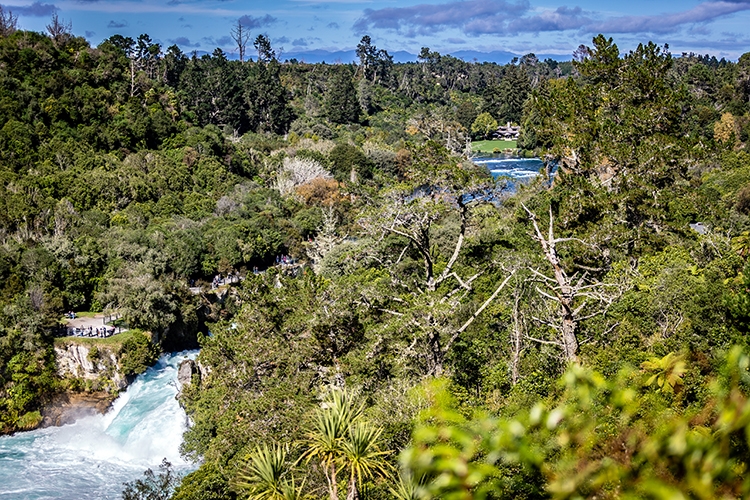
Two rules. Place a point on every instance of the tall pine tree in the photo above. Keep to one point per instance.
(341, 103)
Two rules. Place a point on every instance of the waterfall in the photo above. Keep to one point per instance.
(91, 458)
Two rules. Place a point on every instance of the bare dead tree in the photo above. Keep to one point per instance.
(241, 36)
(483, 306)
(8, 22)
(432, 302)
(59, 30)
(432, 316)
(576, 297)
(516, 335)
(132, 77)
(298, 171)
(326, 240)
(412, 216)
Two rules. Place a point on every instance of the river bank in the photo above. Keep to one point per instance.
(91, 374)
(66, 408)
(92, 457)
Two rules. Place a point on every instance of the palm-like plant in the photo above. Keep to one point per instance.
(668, 371)
(267, 476)
(326, 438)
(363, 456)
(741, 244)
(406, 488)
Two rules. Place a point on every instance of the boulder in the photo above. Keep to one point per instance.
(186, 371)
(66, 408)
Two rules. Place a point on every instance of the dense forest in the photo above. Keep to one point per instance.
(442, 334)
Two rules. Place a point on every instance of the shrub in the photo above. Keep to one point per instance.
(137, 354)
(30, 420)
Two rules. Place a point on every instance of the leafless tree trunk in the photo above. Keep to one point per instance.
(516, 336)
(8, 22)
(353, 493)
(415, 226)
(563, 291)
(333, 489)
(240, 36)
(59, 30)
(438, 328)
(132, 77)
(573, 294)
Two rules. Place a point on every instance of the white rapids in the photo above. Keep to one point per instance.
(520, 169)
(91, 458)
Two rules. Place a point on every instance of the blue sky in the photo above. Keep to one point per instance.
(721, 28)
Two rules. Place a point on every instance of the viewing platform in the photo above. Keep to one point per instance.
(97, 325)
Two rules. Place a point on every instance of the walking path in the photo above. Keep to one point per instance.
(220, 281)
(87, 326)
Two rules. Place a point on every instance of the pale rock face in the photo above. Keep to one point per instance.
(203, 370)
(73, 360)
(186, 371)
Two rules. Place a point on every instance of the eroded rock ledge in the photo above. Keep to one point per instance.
(96, 366)
(68, 407)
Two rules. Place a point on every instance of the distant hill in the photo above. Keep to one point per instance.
(348, 56)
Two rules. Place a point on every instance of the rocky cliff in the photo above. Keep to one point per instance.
(90, 367)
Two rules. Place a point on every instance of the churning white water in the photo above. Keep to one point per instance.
(91, 458)
(520, 169)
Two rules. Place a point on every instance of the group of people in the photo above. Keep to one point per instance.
(219, 280)
(234, 277)
(284, 259)
(92, 332)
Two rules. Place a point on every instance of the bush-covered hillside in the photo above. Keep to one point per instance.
(440, 333)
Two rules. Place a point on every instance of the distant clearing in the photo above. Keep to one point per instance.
(490, 146)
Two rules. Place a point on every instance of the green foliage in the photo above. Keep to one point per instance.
(264, 475)
(623, 147)
(29, 420)
(346, 158)
(363, 456)
(339, 440)
(484, 126)
(206, 483)
(270, 317)
(93, 354)
(506, 98)
(668, 371)
(331, 424)
(137, 353)
(27, 370)
(267, 99)
(603, 438)
(153, 486)
(341, 103)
